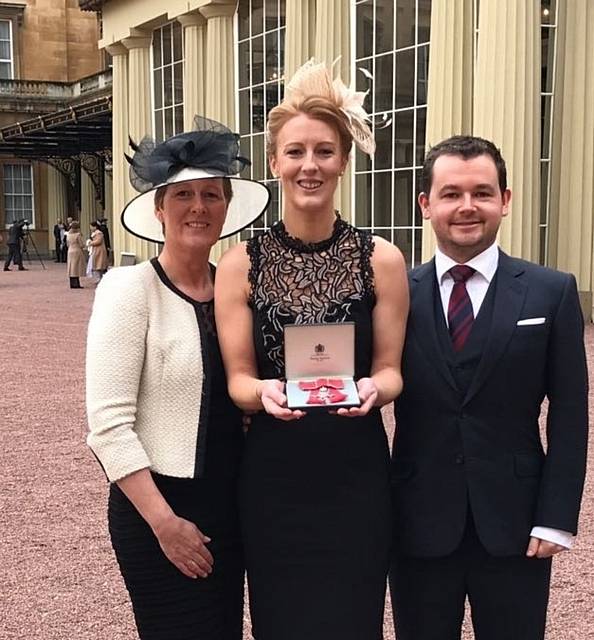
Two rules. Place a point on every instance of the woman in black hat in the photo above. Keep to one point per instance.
(161, 422)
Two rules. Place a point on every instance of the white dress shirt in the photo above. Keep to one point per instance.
(485, 266)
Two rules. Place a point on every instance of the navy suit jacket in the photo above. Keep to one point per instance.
(484, 450)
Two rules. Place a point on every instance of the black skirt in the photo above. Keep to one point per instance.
(167, 605)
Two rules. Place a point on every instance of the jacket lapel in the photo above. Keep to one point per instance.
(424, 327)
(510, 292)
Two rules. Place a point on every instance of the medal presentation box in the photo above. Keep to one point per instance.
(320, 365)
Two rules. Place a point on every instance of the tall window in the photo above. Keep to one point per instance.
(548, 18)
(6, 63)
(168, 80)
(392, 62)
(18, 193)
(261, 29)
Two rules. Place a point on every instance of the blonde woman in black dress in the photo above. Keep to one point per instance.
(314, 487)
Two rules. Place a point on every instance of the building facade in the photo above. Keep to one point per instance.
(50, 71)
(518, 73)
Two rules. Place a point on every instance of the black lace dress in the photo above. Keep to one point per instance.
(314, 498)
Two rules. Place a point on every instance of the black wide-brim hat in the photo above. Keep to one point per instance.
(212, 151)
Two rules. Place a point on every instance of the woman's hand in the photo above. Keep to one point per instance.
(184, 545)
(368, 393)
(273, 398)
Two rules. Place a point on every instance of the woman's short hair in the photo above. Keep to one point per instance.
(75, 224)
(160, 193)
(316, 107)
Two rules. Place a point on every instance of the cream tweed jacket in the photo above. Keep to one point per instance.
(145, 377)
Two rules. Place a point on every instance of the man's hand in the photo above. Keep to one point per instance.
(538, 548)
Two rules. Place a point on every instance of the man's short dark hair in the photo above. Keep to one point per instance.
(466, 147)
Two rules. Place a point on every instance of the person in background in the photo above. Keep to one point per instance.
(58, 239)
(97, 251)
(161, 421)
(15, 236)
(76, 262)
(479, 507)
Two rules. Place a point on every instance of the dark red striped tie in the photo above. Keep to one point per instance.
(460, 314)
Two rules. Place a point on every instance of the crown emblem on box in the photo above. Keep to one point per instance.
(319, 348)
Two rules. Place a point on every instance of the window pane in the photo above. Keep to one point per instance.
(258, 109)
(421, 132)
(403, 138)
(168, 86)
(157, 49)
(179, 119)
(158, 89)
(244, 63)
(271, 8)
(5, 72)
(244, 112)
(4, 30)
(178, 71)
(384, 83)
(257, 16)
(363, 200)
(403, 240)
(166, 44)
(382, 193)
(424, 24)
(422, 74)
(547, 58)
(5, 49)
(168, 123)
(271, 96)
(244, 19)
(364, 29)
(258, 60)
(384, 25)
(383, 151)
(159, 126)
(258, 157)
(405, 23)
(405, 78)
(272, 58)
(403, 187)
(178, 52)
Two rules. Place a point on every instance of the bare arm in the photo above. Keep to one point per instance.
(389, 327)
(234, 328)
(181, 541)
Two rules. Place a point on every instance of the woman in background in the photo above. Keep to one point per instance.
(98, 251)
(75, 258)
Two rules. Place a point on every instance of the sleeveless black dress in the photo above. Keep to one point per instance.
(314, 493)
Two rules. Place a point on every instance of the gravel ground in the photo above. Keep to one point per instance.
(57, 572)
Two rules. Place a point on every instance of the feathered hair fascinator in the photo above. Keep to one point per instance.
(211, 151)
(211, 146)
(314, 79)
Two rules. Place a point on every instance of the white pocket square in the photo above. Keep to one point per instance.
(527, 321)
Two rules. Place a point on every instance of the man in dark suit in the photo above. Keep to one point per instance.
(480, 508)
(15, 235)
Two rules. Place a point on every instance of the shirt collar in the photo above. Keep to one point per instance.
(485, 263)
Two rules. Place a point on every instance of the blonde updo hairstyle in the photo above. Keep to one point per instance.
(316, 107)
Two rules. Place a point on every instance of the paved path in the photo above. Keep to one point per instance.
(58, 578)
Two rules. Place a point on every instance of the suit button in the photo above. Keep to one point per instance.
(459, 459)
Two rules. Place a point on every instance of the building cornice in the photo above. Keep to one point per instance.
(91, 5)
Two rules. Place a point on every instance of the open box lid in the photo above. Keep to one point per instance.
(314, 350)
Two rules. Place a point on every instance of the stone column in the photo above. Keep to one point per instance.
(219, 99)
(572, 186)
(139, 114)
(449, 99)
(507, 110)
(300, 34)
(87, 203)
(57, 202)
(119, 237)
(194, 25)
(332, 42)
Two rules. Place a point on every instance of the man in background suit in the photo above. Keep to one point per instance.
(480, 508)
